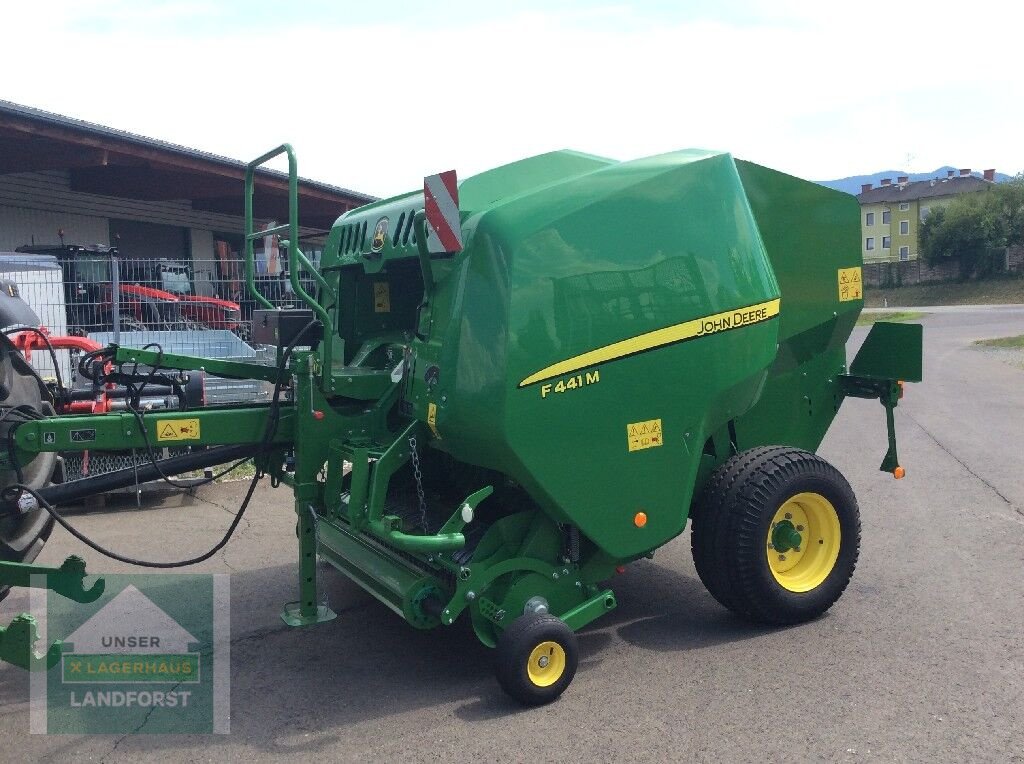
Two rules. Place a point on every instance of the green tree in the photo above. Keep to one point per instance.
(1003, 215)
(975, 229)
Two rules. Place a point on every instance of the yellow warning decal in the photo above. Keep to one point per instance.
(432, 419)
(670, 335)
(850, 286)
(178, 429)
(381, 297)
(641, 435)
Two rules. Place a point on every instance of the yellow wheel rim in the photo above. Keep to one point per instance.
(803, 542)
(547, 664)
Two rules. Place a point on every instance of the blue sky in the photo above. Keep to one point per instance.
(375, 95)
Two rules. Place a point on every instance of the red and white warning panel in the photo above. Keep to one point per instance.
(441, 206)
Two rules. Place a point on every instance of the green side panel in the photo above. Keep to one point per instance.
(890, 351)
(810, 233)
(526, 176)
(567, 257)
(577, 265)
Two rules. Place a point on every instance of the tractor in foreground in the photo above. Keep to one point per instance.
(502, 391)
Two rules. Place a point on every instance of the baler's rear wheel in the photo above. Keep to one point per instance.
(776, 534)
(536, 658)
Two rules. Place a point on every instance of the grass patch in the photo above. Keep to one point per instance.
(1015, 343)
(1004, 291)
(244, 471)
(867, 319)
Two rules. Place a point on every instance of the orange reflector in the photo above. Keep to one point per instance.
(620, 569)
(900, 383)
(640, 519)
(899, 472)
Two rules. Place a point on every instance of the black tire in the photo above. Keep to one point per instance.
(518, 643)
(22, 536)
(731, 523)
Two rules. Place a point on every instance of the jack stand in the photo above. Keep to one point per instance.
(307, 611)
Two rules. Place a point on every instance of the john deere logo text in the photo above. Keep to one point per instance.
(380, 235)
(723, 321)
(659, 338)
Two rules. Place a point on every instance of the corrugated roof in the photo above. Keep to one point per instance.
(925, 189)
(59, 120)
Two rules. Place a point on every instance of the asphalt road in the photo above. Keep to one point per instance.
(921, 660)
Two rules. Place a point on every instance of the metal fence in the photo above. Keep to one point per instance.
(193, 307)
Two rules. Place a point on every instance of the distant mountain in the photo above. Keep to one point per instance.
(852, 184)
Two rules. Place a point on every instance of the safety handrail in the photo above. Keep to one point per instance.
(296, 259)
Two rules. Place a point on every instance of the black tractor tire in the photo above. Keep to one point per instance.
(536, 658)
(732, 547)
(22, 534)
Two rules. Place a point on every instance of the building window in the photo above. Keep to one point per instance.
(869, 218)
(904, 206)
(904, 227)
(904, 253)
(885, 217)
(925, 211)
(869, 243)
(886, 242)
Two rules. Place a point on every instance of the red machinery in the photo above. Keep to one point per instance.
(187, 392)
(211, 312)
(142, 304)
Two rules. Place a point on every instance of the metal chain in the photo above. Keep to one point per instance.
(419, 482)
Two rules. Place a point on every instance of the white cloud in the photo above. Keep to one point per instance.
(818, 90)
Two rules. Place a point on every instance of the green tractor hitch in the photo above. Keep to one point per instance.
(68, 580)
(498, 393)
(890, 357)
(17, 640)
(17, 645)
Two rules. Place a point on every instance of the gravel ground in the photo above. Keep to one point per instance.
(920, 660)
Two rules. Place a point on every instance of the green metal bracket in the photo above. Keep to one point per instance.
(465, 511)
(409, 542)
(590, 610)
(17, 645)
(67, 580)
(891, 355)
(888, 392)
(891, 461)
(210, 426)
(481, 579)
(362, 384)
(17, 641)
(219, 368)
(424, 255)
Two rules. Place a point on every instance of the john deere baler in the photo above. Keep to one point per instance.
(503, 390)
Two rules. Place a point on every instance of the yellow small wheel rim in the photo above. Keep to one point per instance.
(546, 664)
(803, 542)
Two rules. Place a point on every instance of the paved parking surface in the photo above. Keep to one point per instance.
(921, 660)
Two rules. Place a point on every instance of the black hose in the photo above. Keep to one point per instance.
(13, 492)
(17, 489)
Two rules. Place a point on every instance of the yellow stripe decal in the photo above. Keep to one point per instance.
(688, 330)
